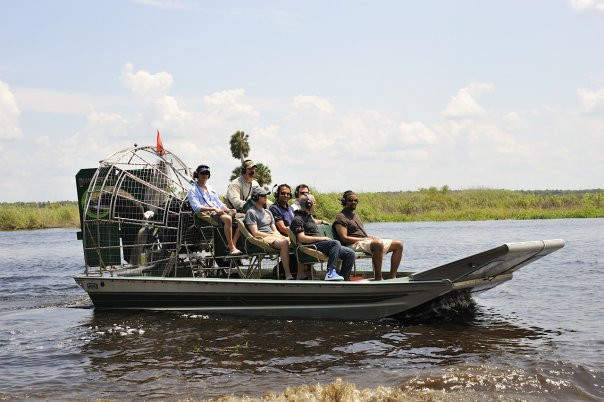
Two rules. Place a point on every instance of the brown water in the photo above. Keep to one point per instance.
(536, 337)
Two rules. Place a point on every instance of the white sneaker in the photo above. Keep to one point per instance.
(332, 275)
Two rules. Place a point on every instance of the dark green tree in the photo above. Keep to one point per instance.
(263, 174)
(240, 147)
(235, 173)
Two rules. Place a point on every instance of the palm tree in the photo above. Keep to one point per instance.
(235, 173)
(263, 174)
(240, 147)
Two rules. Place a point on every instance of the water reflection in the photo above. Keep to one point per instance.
(165, 347)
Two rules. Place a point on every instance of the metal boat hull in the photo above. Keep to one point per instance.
(355, 300)
(272, 298)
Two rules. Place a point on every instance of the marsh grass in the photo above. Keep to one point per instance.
(429, 204)
(38, 215)
(443, 204)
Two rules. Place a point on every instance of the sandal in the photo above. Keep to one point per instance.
(236, 252)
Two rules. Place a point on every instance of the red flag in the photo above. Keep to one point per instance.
(159, 148)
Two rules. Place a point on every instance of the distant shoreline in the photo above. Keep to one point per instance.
(429, 204)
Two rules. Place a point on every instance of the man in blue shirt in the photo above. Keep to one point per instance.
(203, 198)
(282, 212)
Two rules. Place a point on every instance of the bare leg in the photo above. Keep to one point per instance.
(228, 231)
(236, 236)
(283, 246)
(377, 255)
(397, 255)
(301, 271)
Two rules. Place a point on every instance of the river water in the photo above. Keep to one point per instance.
(539, 336)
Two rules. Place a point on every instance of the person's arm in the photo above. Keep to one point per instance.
(277, 231)
(222, 208)
(280, 225)
(252, 224)
(219, 211)
(193, 201)
(343, 234)
(233, 195)
(253, 228)
(305, 239)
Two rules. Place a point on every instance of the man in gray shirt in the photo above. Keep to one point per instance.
(261, 224)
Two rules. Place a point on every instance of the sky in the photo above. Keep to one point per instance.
(361, 95)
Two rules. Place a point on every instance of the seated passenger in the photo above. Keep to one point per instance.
(203, 198)
(261, 224)
(281, 210)
(307, 232)
(240, 189)
(301, 191)
(351, 232)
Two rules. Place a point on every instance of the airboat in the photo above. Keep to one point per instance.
(145, 249)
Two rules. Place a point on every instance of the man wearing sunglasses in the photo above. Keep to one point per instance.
(307, 232)
(240, 189)
(203, 198)
(352, 233)
(281, 210)
(301, 191)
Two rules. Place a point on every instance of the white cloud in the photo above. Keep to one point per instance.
(592, 100)
(587, 5)
(144, 83)
(158, 108)
(50, 101)
(228, 104)
(416, 132)
(464, 104)
(313, 102)
(9, 114)
(308, 140)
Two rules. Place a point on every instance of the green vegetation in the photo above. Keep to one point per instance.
(429, 204)
(39, 215)
(443, 204)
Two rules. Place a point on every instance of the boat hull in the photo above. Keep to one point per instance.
(354, 300)
(269, 298)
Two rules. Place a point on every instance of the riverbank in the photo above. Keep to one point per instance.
(39, 215)
(444, 204)
(429, 204)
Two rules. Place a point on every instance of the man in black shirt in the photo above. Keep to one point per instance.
(307, 232)
(351, 232)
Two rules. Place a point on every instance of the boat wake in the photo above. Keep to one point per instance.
(450, 307)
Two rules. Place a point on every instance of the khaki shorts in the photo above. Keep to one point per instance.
(217, 219)
(365, 245)
(270, 239)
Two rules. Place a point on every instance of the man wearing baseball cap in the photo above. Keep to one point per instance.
(261, 224)
(203, 199)
(240, 189)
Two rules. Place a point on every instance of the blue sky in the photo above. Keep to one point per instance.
(370, 96)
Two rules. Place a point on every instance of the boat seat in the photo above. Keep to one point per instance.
(213, 235)
(306, 253)
(256, 249)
